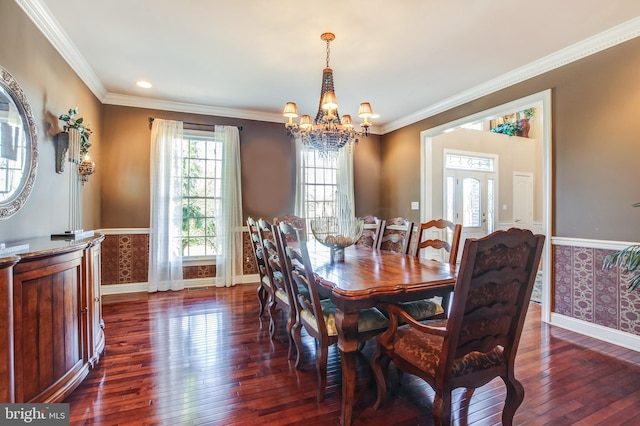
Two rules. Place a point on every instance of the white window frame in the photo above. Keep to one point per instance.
(320, 172)
(212, 181)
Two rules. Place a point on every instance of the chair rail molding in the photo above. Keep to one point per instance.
(590, 243)
(124, 231)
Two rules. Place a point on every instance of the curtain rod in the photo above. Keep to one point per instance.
(198, 124)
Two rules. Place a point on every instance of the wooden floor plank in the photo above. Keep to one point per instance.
(205, 358)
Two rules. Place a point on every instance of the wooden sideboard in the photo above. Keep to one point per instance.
(51, 329)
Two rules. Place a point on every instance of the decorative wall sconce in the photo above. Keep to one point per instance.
(73, 144)
(86, 168)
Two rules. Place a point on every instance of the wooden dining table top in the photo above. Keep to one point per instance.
(368, 273)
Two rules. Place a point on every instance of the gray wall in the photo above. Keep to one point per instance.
(596, 145)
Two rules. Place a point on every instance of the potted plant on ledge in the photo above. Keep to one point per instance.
(513, 126)
(507, 128)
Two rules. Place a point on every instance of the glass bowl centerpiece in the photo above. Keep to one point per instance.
(337, 234)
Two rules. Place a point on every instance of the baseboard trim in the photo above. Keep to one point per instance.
(606, 334)
(109, 289)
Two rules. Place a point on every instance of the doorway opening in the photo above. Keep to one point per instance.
(517, 194)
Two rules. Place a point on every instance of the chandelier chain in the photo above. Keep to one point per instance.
(328, 52)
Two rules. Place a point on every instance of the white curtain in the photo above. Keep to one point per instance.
(165, 242)
(229, 224)
(346, 198)
(299, 185)
(345, 193)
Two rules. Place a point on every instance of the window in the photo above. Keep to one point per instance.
(471, 202)
(320, 184)
(201, 193)
(469, 162)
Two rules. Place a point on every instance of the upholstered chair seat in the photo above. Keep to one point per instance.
(422, 309)
(423, 351)
(368, 319)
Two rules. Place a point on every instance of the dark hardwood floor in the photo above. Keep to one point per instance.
(203, 357)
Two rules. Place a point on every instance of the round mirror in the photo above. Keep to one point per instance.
(18, 146)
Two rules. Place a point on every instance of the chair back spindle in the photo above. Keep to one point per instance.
(441, 228)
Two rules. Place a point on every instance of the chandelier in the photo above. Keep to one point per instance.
(328, 133)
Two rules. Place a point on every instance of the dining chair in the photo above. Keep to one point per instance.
(433, 234)
(317, 315)
(371, 231)
(293, 220)
(396, 235)
(279, 294)
(479, 341)
(256, 245)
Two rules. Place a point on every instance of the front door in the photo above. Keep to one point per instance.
(470, 197)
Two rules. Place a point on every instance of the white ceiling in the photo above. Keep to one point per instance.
(246, 58)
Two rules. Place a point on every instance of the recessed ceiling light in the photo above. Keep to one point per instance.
(144, 84)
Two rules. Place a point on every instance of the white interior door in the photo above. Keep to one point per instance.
(523, 200)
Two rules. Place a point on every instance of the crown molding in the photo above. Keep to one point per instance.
(604, 40)
(151, 103)
(49, 26)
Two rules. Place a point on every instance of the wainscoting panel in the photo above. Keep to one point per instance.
(584, 292)
(125, 258)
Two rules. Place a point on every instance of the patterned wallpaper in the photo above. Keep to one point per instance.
(125, 260)
(584, 291)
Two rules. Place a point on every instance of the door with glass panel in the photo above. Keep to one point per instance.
(470, 193)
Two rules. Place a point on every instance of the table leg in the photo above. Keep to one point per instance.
(347, 325)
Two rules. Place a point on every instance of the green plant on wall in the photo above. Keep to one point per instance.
(627, 260)
(507, 128)
(529, 113)
(511, 126)
(73, 122)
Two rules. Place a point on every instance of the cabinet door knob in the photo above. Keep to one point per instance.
(84, 310)
(96, 299)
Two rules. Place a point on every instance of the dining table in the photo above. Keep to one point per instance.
(365, 278)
